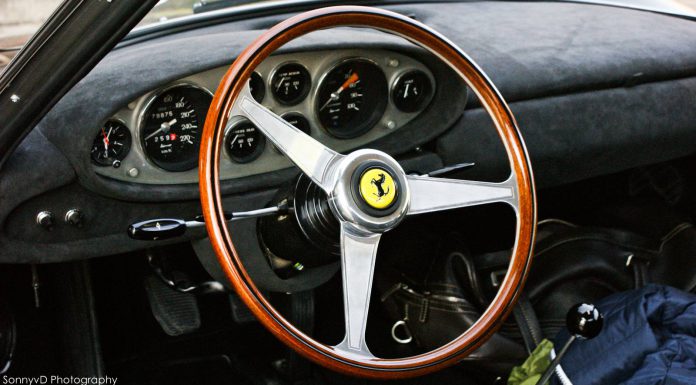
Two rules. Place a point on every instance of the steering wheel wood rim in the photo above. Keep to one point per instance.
(230, 89)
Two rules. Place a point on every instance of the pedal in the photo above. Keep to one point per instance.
(240, 312)
(176, 312)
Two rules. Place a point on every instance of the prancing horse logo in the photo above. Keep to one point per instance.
(378, 184)
(377, 188)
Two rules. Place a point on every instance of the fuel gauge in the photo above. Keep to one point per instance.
(411, 91)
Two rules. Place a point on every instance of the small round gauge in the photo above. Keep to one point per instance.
(171, 126)
(112, 144)
(352, 98)
(258, 87)
(291, 83)
(244, 142)
(297, 120)
(411, 91)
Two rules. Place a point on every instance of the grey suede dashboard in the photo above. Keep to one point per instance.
(595, 90)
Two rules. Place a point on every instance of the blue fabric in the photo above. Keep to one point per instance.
(649, 338)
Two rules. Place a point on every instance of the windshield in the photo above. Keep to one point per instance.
(19, 19)
(172, 9)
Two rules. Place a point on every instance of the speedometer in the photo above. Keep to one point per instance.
(171, 126)
(352, 98)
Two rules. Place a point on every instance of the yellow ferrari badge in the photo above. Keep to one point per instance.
(377, 188)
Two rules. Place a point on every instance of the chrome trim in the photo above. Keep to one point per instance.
(341, 198)
(358, 255)
(436, 194)
(312, 157)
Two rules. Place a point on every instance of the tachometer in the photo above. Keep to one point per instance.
(352, 98)
(112, 144)
(171, 126)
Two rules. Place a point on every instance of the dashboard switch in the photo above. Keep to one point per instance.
(74, 217)
(45, 219)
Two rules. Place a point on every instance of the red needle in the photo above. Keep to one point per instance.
(106, 139)
(352, 79)
(335, 95)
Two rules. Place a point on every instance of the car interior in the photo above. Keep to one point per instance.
(224, 196)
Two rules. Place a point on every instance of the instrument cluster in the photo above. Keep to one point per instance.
(343, 98)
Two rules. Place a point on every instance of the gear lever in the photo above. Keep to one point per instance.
(584, 322)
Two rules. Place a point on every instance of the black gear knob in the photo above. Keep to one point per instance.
(584, 321)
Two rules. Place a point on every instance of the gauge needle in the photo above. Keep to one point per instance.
(106, 139)
(164, 127)
(354, 78)
(280, 83)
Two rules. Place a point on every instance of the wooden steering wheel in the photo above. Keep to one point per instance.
(365, 214)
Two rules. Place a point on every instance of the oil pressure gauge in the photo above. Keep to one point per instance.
(244, 142)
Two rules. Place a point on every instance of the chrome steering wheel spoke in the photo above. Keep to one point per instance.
(436, 194)
(313, 158)
(358, 254)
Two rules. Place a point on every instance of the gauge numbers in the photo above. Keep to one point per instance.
(171, 127)
(111, 145)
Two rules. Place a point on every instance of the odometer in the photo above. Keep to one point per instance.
(171, 126)
(352, 98)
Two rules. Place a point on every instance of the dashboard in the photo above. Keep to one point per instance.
(587, 103)
(343, 98)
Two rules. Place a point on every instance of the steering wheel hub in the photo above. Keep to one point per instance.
(371, 191)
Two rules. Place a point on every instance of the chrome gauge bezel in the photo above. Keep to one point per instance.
(368, 125)
(143, 114)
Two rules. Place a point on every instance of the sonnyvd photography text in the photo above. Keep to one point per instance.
(59, 380)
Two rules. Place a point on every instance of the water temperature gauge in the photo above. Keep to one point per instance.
(291, 83)
(244, 142)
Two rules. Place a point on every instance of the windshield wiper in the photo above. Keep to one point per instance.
(10, 49)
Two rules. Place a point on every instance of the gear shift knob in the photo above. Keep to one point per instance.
(584, 321)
